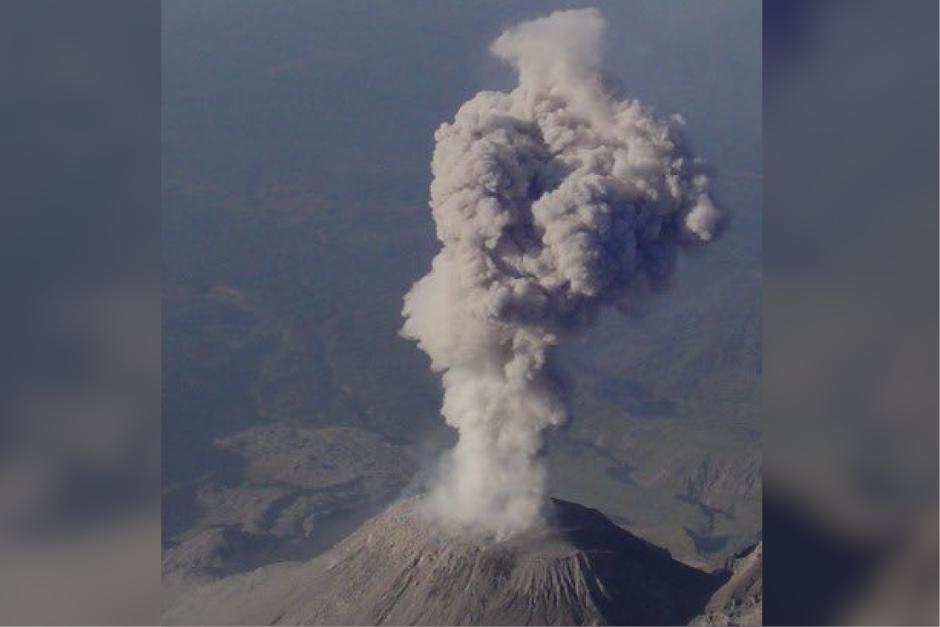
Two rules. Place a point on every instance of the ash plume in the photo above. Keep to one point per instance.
(551, 201)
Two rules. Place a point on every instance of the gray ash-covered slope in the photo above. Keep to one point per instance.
(401, 569)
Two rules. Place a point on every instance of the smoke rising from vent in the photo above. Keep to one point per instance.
(551, 201)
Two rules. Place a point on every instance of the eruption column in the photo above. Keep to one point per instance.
(551, 201)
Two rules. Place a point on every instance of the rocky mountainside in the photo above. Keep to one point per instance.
(400, 568)
(740, 601)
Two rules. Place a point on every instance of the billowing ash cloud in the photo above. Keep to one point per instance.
(551, 202)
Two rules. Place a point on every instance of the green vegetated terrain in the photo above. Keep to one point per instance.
(295, 218)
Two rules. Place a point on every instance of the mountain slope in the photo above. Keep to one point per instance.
(740, 600)
(399, 568)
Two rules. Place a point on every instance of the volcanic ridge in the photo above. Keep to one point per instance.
(403, 568)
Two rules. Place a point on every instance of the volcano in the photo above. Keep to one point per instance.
(400, 568)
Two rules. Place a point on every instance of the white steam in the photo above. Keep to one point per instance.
(550, 201)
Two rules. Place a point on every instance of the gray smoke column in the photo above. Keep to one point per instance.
(551, 201)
